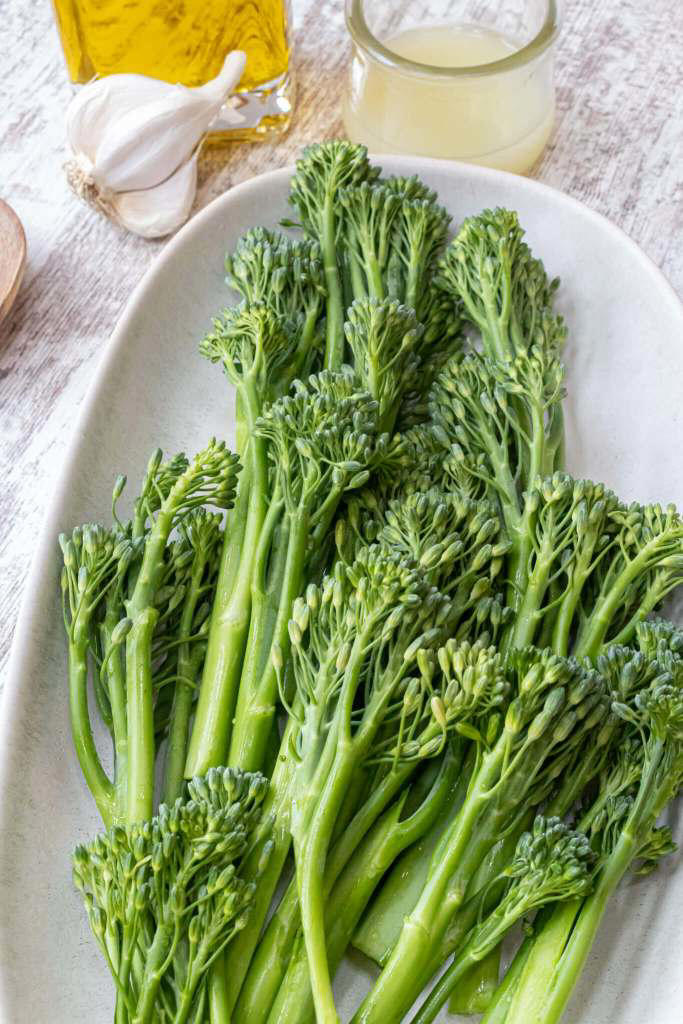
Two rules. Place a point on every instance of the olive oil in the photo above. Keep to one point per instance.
(182, 41)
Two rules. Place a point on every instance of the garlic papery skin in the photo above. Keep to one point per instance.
(155, 212)
(93, 109)
(133, 134)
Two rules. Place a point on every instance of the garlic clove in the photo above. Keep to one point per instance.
(158, 211)
(135, 140)
(220, 87)
(93, 107)
(145, 146)
(141, 146)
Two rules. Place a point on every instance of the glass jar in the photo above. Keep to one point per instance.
(467, 80)
(187, 41)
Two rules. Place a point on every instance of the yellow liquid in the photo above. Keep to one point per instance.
(451, 46)
(176, 40)
(500, 119)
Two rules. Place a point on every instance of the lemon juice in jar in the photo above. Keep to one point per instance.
(478, 91)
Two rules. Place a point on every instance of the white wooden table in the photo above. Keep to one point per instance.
(618, 146)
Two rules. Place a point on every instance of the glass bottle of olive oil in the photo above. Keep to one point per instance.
(187, 41)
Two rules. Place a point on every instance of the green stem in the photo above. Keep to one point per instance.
(526, 984)
(399, 893)
(116, 685)
(500, 1004)
(127, 946)
(98, 782)
(314, 821)
(266, 585)
(594, 629)
(179, 728)
(350, 895)
(176, 751)
(583, 935)
(455, 861)
(334, 342)
(481, 941)
(275, 947)
(210, 736)
(528, 613)
(310, 862)
(374, 275)
(233, 536)
(473, 992)
(140, 714)
(219, 1006)
(495, 327)
(252, 727)
(276, 808)
(365, 817)
(156, 957)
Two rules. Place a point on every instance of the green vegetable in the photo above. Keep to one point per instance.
(165, 897)
(556, 707)
(642, 776)
(551, 863)
(425, 651)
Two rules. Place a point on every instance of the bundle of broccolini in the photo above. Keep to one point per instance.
(409, 692)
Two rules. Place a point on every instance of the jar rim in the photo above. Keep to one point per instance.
(360, 33)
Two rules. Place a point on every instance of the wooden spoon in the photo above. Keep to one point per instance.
(12, 257)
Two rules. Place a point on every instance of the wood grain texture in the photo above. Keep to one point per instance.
(617, 146)
(12, 257)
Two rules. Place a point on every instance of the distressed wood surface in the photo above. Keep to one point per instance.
(617, 146)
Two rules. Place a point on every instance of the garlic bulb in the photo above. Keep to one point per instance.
(135, 142)
(154, 212)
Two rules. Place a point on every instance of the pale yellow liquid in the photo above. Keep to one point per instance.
(451, 46)
(499, 119)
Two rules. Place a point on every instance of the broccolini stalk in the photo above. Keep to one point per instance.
(558, 705)
(614, 760)
(647, 565)
(552, 863)
(254, 347)
(624, 827)
(504, 290)
(379, 930)
(458, 684)
(515, 433)
(201, 532)
(165, 897)
(95, 561)
(402, 824)
(121, 581)
(456, 543)
(392, 612)
(270, 269)
(383, 338)
(321, 441)
(321, 172)
(209, 479)
(625, 671)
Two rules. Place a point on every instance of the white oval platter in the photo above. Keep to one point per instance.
(624, 425)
